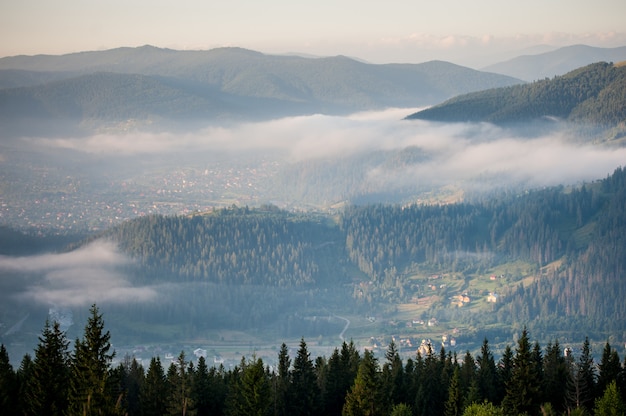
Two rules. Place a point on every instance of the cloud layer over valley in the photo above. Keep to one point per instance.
(451, 153)
(78, 278)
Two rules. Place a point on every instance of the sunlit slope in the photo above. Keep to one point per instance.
(595, 94)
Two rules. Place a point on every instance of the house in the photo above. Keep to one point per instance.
(493, 297)
(199, 352)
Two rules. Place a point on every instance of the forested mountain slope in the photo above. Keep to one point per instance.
(572, 242)
(594, 94)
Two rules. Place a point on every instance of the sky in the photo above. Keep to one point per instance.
(379, 32)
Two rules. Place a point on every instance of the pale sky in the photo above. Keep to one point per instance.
(376, 31)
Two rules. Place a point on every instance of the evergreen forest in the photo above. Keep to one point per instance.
(592, 94)
(527, 380)
(555, 258)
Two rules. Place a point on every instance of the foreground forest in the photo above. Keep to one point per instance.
(527, 379)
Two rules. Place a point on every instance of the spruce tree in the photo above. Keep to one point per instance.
(201, 388)
(283, 382)
(363, 398)
(179, 387)
(89, 389)
(609, 369)
(154, 391)
(8, 384)
(24, 376)
(555, 371)
(305, 392)
(454, 404)
(392, 378)
(522, 392)
(47, 392)
(505, 371)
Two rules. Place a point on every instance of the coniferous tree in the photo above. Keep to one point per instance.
(47, 392)
(283, 382)
(401, 409)
(555, 372)
(522, 392)
(430, 397)
(201, 388)
(89, 391)
(179, 387)
(468, 381)
(154, 392)
(251, 390)
(129, 377)
(610, 403)
(454, 404)
(8, 384)
(586, 376)
(305, 392)
(24, 376)
(363, 398)
(486, 374)
(505, 371)
(392, 378)
(608, 369)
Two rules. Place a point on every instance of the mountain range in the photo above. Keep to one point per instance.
(536, 66)
(149, 86)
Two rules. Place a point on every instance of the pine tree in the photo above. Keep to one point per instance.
(47, 392)
(89, 392)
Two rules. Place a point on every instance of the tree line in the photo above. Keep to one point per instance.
(527, 379)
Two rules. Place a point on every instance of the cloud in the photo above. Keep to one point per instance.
(453, 153)
(78, 278)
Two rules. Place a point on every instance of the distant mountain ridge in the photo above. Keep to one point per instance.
(594, 94)
(556, 62)
(160, 84)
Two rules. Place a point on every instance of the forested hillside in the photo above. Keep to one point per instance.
(592, 94)
(526, 380)
(569, 243)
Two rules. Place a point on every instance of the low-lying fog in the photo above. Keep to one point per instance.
(452, 152)
(476, 155)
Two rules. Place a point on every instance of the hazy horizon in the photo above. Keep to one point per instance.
(473, 34)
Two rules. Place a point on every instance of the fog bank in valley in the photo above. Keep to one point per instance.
(451, 153)
(91, 274)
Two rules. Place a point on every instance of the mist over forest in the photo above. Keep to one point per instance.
(236, 208)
